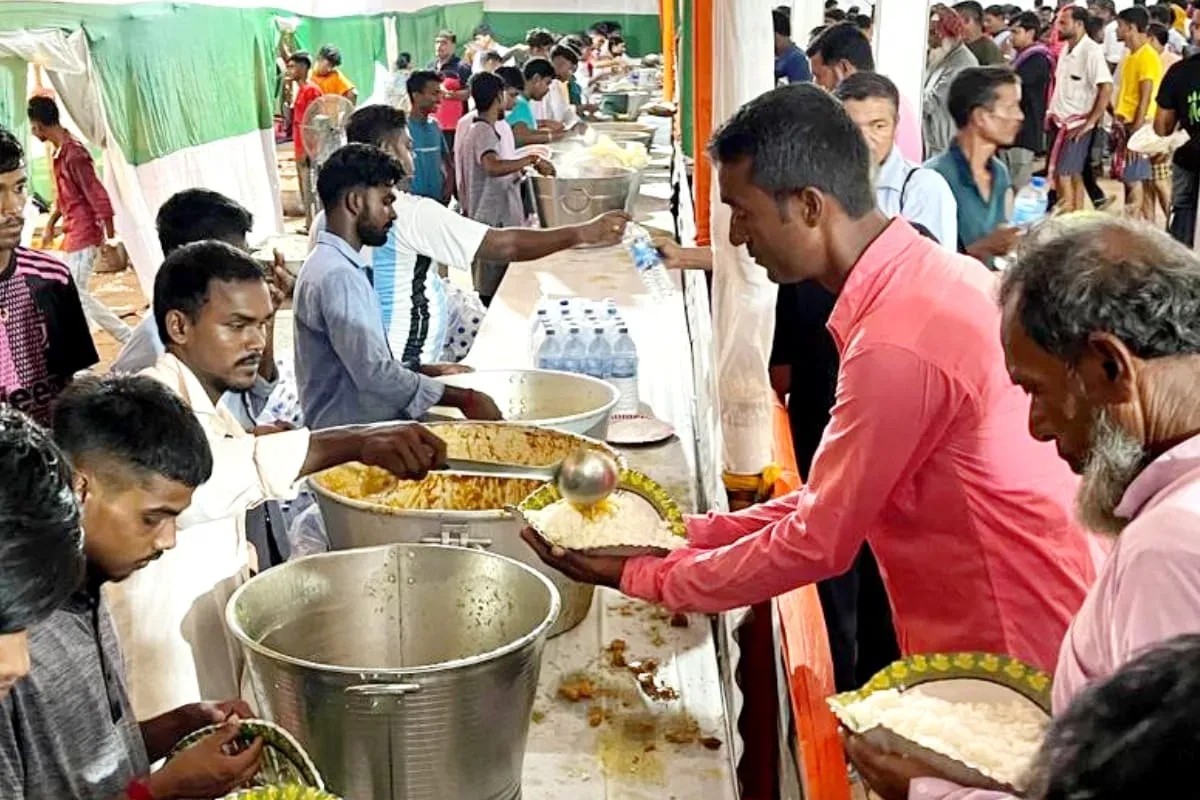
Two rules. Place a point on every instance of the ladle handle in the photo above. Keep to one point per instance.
(381, 689)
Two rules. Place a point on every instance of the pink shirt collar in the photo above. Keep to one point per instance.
(1152, 483)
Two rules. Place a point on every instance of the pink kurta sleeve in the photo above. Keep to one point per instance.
(934, 789)
(712, 530)
(892, 409)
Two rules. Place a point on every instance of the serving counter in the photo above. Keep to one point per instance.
(617, 743)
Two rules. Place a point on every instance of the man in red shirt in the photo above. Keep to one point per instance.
(44, 337)
(82, 203)
(299, 66)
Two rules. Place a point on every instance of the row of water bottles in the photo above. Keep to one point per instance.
(588, 338)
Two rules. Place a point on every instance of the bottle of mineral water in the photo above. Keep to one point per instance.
(1029, 207)
(599, 355)
(574, 351)
(648, 261)
(623, 372)
(549, 355)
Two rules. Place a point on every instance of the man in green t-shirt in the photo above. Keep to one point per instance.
(536, 84)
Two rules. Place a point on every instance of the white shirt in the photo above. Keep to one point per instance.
(423, 228)
(924, 198)
(1080, 73)
(556, 105)
(170, 615)
(1114, 48)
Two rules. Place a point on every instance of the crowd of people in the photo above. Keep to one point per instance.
(998, 463)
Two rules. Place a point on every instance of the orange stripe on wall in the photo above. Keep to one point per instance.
(702, 44)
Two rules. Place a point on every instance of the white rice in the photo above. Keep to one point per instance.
(628, 520)
(998, 739)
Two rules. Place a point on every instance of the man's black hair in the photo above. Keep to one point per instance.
(512, 77)
(782, 23)
(867, 85)
(843, 41)
(1081, 15)
(41, 543)
(12, 155)
(486, 89)
(416, 84)
(1132, 734)
(194, 215)
(1030, 21)
(43, 110)
(490, 55)
(185, 277)
(539, 37)
(977, 87)
(356, 166)
(1137, 16)
(970, 11)
(796, 137)
(835, 15)
(404, 61)
(615, 38)
(301, 57)
(331, 54)
(1159, 31)
(448, 35)
(482, 29)
(132, 422)
(996, 11)
(539, 68)
(567, 52)
(1162, 14)
(1093, 26)
(862, 22)
(375, 124)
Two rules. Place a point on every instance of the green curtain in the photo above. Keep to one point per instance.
(361, 40)
(687, 132)
(13, 72)
(415, 31)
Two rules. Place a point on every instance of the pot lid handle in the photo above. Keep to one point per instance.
(381, 689)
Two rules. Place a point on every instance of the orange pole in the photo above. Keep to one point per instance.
(702, 45)
(666, 14)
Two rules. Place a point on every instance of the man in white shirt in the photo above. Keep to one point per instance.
(902, 188)
(212, 307)
(1082, 88)
(1114, 48)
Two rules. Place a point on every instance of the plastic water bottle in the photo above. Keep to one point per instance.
(648, 261)
(623, 373)
(574, 352)
(1029, 207)
(599, 355)
(549, 355)
(540, 320)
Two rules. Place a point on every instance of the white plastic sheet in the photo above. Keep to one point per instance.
(743, 298)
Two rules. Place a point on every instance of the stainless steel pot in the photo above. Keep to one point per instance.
(573, 201)
(407, 672)
(621, 132)
(354, 523)
(559, 400)
(624, 104)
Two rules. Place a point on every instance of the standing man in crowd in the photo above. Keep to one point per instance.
(1141, 72)
(842, 50)
(455, 76)
(1082, 88)
(299, 66)
(44, 340)
(82, 204)
(329, 76)
(1177, 109)
(970, 517)
(791, 65)
(434, 176)
(986, 51)
(537, 77)
(538, 44)
(986, 105)
(948, 56)
(995, 25)
(1114, 47)
(1034, 65)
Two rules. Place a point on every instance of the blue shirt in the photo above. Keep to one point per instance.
(977, 217)
(522, 112)
(345, 369)
(792, 66)
(429, 153)
(919, 195)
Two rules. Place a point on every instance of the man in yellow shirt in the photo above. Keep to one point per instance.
(329, 77)
(1141, 72)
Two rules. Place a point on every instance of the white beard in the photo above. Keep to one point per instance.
(1116, 458)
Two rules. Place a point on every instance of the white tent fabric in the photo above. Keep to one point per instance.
(743, 298)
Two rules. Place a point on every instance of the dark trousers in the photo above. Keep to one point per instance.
(1095, 159)
(1182, 226)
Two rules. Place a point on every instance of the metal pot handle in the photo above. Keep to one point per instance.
(381, 689)
(571, 202)
(456, 536)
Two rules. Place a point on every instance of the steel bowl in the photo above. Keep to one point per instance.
(560, 400)
(621, 132)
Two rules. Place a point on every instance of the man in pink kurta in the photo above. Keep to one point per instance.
(927, 455)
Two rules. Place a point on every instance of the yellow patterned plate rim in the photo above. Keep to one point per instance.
(631, 481)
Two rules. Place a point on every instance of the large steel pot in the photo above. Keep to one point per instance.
(407, 672)
(352, 523)
(575, 200)
(560, 400)
(621, 132)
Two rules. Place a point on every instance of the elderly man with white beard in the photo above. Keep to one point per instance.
(1101, 327)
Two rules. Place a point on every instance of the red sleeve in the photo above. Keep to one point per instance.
(82, 173)
(304, 98)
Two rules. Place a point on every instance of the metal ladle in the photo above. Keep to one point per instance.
(584, 478)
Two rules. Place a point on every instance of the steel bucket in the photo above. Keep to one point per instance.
(407, 672)
(572, 201)
(560, 400)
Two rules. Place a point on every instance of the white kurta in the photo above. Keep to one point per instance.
(170, 615)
